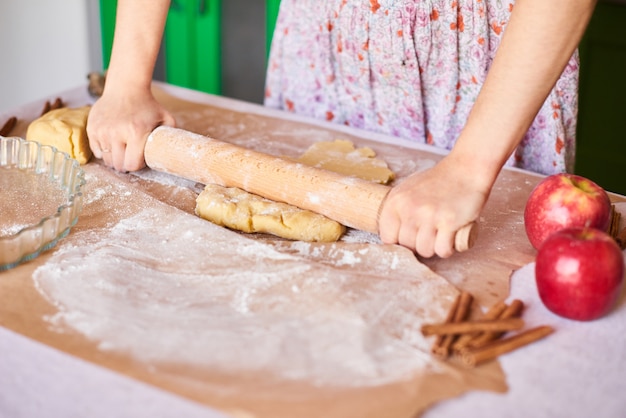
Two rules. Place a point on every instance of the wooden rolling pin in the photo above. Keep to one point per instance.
(350, 201)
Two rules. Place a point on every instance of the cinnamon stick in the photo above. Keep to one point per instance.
(494, 325)
(46, 108)
(514, 310)
(621, 238)
(615, 221)
(57, 104)
(619, 235)
(493, 313)
(438, 347)
(461, 311)
(488, 352)
(8, 126)
(465, 303)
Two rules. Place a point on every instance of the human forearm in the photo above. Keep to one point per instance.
(425, 210)
(138, 33)
(120, 121)
(538, 42)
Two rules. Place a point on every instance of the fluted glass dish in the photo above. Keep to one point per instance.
(40, 198)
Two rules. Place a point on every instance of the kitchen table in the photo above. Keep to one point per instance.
(47, 369)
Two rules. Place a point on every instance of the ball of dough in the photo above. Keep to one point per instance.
(65, 129)
(237, 209)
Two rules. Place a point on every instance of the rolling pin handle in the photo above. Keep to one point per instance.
(465, 237)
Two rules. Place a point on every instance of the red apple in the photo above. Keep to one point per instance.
(563, 201)
(579, 273)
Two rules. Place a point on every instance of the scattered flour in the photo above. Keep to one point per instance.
(355, 235)
(168, 179)
(168, 288)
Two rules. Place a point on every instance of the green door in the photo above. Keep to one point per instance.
(192, 41)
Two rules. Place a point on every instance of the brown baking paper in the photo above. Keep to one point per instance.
(250, 324)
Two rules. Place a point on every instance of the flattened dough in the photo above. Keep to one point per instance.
(341, 157)
(243, 211)
(237, 209)
(64, 129)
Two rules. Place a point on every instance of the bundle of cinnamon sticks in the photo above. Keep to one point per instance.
(48, 106)
(478, 341)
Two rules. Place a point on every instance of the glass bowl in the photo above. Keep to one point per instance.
(40, 198)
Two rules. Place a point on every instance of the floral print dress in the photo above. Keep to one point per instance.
(409, 68)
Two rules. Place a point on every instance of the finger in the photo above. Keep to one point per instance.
(407, 235)
(444, 243)
(97, 149)
(134, 156)
(425, 241)
(388, 227)
(168, 120)
(118, 156)
(97, 152)
(106, 155)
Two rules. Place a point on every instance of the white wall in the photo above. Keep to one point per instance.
(46, 46)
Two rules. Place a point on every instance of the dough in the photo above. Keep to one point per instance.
(64, 129)
(341, 157)
(247, 212)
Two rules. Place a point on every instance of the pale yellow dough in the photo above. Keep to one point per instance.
(237, 209)
(341, 157)
(64, 129)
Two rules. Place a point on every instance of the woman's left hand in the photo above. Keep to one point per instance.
(424, 212)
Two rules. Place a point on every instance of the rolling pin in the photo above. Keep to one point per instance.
(351, 201)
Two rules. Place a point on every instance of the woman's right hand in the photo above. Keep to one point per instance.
(119, 124)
